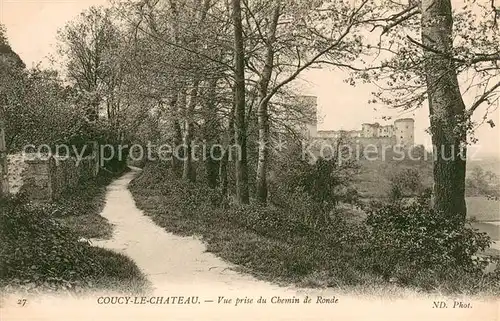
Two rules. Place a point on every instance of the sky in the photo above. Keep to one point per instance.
(32, 29)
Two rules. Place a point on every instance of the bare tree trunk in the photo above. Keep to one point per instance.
(262, 162)
(93, 109)
(263, 112)
(446, 109)
(176, 132)
(229, 140)
(211, 125)
(242, 194)
(188, 171)
(223, 175)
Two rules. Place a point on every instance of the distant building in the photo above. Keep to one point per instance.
(404, 130)
(400, 133)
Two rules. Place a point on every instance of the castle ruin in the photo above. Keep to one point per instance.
(400, 133)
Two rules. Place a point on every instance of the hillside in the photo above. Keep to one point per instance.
(491, 164)
(374, 178)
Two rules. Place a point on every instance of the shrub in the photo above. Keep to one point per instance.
(269, 221)
(37, 249)
(276, 243)
(405, 182)
(152, 176)
(407, 239)
(313, 190)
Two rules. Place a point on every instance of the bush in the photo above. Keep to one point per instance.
(153, 175)
(405, 182)
(312, 190)
(37, 249)
(407, 239)
(79, 208)
(274, 242)
(482, 183)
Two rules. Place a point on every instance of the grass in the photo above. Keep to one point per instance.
(482, 209)
(41, 252)
(373, 180)
(88, 226)
(258, 241)
(121, 274)
(79, 209)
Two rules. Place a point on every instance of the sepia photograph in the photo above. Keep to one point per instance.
(249, 160)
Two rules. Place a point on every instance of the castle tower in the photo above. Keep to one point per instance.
(404, 130)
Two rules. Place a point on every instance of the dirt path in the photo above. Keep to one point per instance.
(166, 259)
(180, 266)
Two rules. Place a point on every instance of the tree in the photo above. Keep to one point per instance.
(446, 109)
(457, 52)
(181, 64)
(180, 54)
(242, 193)
(405, 182)
(89, 45)
(10, 63)
(482, 183)
(36, 107)
(316, 187)
(4, 187)
(262, 111)
(7, 55)
(293, 41)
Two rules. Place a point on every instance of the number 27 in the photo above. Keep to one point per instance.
(22, 302)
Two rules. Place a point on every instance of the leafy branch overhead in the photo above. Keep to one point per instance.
(224, 73)
(400, 56)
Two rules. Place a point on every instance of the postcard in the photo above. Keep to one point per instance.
(249, 160)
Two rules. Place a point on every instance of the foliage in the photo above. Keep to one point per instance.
(79, 209)
(269, 239)
(40, 252)
(405, 182)
(400, 75)
(7, 55)
(482, 183)
(449, 64)
(413, 239)
(312, 189)
(34, 102)
(272, 243)
(159, 71)
(88, 44)
(38, 109)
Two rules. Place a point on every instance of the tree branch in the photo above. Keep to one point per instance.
(483, 98)
(318, 55)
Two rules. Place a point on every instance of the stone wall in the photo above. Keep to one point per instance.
(46, 179)
(376, 141)
(36, 180)
(17, 168)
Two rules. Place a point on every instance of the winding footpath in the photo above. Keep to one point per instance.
(166, 259)
(180, 266)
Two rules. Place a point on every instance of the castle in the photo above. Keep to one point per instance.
(400, 133)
